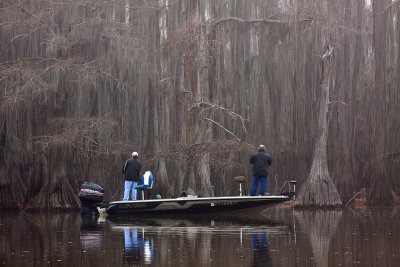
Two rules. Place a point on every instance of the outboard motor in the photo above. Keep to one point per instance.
(91, 197)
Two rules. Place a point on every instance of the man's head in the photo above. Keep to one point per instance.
(261, 148)
(135, 154)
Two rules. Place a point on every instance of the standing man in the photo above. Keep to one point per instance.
(261, 160)
(131, 169)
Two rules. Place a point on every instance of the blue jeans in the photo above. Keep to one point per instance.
(131, 237)
(130, 185)
(262, 180)
(132, 248)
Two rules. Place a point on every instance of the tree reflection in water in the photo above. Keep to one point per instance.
(367, 237)
(320, 226)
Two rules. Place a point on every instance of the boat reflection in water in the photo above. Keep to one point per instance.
(262, 256)
(91, 235)
(137, 246)
(360, 236)
(195, 241)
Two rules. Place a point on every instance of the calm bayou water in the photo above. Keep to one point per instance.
(359, 237)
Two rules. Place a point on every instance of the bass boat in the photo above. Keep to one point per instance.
(91, 200)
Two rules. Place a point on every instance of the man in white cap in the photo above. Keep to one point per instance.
(131, 169)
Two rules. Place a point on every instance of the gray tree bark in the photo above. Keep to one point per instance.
(83, 84)
(318, 189)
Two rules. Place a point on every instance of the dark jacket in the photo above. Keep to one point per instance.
(131, 169)
(261, 161)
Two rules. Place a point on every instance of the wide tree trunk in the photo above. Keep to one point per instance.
(341, 173)
(380, 192)
(56, 192)
(318, 189)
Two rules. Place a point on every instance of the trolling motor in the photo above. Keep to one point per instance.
(289, 189)
(91, 196)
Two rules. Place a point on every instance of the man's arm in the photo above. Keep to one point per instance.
(124, 168)
(251, 160)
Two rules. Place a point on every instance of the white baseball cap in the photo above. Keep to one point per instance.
(135, 154)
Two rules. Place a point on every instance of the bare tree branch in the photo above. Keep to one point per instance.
(239, 20)
(390, 6)
(389, 154)
(207, 106)
(336, 102)
(226, 130)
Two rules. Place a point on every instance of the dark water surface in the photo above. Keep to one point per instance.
(351, 237)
